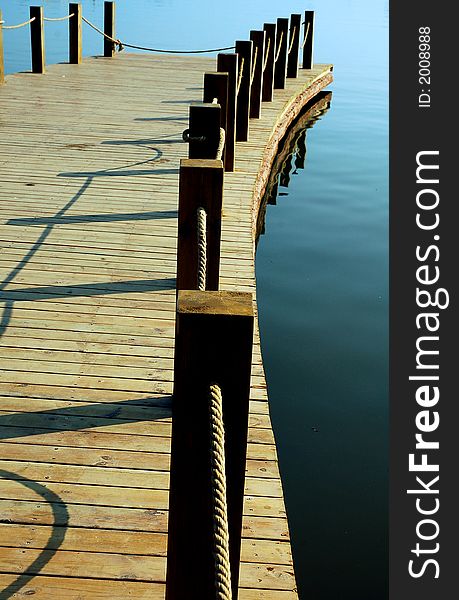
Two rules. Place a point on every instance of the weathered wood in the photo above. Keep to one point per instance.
(2, 59)
(280, 67)
(258, 39)
(308, 40)
(109, 28)
(227, 63)
(75, 34)
(244, 51)
(216, 87)
(204, 130)
(214, 341)
(37, 39)
(294, 45)
(268, 73)
(201, 185)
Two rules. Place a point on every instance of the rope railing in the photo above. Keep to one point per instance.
(122, 45)
(265, 60)
(219, 500)
(239, 81)
(221, 144)
(306, 34)
(254, 65)
(59, 18)
(18, 25)
(292, 40)
(202, 249)
(276, 58)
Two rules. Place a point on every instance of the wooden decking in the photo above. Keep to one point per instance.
(88, 199)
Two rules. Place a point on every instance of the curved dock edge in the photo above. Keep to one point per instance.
(289, 112)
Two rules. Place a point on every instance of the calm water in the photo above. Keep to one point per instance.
(322, 270)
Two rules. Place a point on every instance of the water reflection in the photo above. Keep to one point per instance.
(291, 154)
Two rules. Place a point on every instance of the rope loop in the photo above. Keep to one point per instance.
(122, 45)
(292, 40)
(186, 137)
(279, 47)
(59, 18)
(241, 72)
(265, 61)
(306, 33)
(19, 24)
(108, 37)
(221, 144)
(254, 65)
(219, 502)
(202, 249)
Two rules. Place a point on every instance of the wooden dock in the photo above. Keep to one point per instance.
(89, 168)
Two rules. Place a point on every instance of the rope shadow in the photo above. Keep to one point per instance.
(59, 529)
(82, 418)
(102, 218)
(89, 289)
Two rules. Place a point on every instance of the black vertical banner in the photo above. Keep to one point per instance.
(424, 498)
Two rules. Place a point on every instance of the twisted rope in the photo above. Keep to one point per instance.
(221, 144)
(220, 509)
(108, 37)
(254, 65)
(19, 25)
(59, 18)
(292, 40)
(265, 61)
(306, 33)
(241, 71)
(122, 45)
(202, 249)
(279, 47)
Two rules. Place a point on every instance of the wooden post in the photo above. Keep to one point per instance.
(294, 45)
(244, 50)
(227, 63)
(75, 35)
(2, 60)
(109, 28)
(214, 337)
(258, 39)
(204, 130)
(200, 185)
(37, 39)
(216, 86)
(308, 48)
(268, 75)
(280, 66)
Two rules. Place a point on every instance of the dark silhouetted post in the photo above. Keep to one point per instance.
(227, 63)
(308, 48)
(37, 39)
(280, 66)
(244, 50)
(204, 132)
(213, 345)
(75, 34)
(268, 65)
(201, 185)
(258, 39)
(294, 46)
(109, 28)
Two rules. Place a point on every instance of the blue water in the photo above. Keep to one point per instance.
(322, 270)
